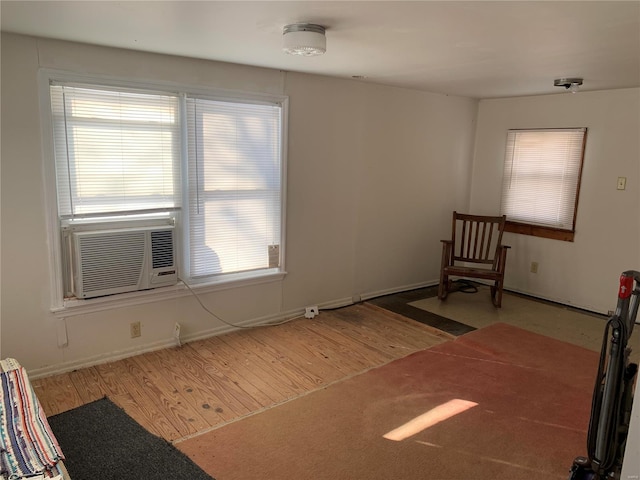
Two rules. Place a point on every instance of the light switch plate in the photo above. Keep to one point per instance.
(622, 183)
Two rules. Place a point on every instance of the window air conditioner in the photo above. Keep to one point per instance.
(123, 260)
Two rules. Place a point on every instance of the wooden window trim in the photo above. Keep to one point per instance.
(539, 231)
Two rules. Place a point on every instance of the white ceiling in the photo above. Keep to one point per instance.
(478, 49)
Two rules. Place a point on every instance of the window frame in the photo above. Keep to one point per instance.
(542, 231)
(63, 307)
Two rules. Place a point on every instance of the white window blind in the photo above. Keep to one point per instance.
(235, 170)
(541, 179)
(116, 151)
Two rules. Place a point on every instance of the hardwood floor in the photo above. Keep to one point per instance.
(179, 392)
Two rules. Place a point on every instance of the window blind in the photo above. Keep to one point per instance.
(116, 151)
(235, 170)
(542, 175)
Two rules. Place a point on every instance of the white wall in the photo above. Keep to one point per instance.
(378, 173)
(373, 174)
(585, 272)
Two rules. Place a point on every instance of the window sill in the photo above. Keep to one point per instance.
(539, 231)
(74, 306)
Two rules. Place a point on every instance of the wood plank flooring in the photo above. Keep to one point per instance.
(179, 392)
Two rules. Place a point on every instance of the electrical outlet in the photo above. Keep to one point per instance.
(622, 183)
(136, 330)
(311, 312)
(534, 267)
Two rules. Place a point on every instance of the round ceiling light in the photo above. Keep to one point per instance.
(306, 39)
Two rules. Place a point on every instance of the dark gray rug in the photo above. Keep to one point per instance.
(100, 441)
(399, 303)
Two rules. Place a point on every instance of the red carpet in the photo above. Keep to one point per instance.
(533, 396)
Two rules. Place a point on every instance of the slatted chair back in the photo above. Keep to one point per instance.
(476, 251)
(476, 238)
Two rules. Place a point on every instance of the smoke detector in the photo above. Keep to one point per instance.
(571, 84)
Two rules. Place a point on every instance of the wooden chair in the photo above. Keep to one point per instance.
(475, 240)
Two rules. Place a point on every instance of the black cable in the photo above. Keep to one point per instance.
(466, 286)
(596, 399)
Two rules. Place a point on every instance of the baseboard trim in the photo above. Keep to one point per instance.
(69, 366)
(555, 301)
(66, 367)
(391, 291)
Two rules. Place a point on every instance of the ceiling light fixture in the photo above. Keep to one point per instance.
(306, 39)
(571, 84)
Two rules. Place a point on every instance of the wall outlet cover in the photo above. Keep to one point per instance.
(311, 312)
(622, 183)
(176, 333)
(136, 330)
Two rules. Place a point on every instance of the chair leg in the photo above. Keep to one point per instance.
(496, 294)
(443, 288)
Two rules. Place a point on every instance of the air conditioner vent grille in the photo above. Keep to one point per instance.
(111, 260)
(162, 248)
(107, 262)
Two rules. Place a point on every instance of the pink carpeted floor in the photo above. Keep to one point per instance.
(533, 396)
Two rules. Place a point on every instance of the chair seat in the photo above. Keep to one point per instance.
(475, 272)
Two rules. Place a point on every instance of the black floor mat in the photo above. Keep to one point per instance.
(399, 303)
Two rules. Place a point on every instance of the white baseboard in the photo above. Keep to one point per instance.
(391, 291)
(69, 366)
(150, 347)
(65, 367)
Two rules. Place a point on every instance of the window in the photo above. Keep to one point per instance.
(541, 181)
(127, 156)
(116, 152)
(234, 187)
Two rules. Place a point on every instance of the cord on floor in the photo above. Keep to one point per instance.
(217, 317)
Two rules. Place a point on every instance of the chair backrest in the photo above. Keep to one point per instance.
(476, 238)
